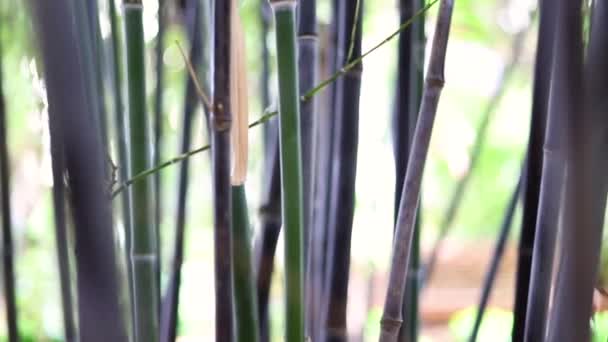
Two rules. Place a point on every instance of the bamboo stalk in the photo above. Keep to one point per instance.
(342, 202)
(144, 246)
(221, 119)
(8, 264)
(586, 182)
(244, 293)
(123, 158)
(265, 19)
(169, 312)
(392, 315)
(499, 251)
(98, 305)
(531, 192)
(291, 170)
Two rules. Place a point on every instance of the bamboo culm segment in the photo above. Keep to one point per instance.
(220, 159)
(244, 289)
(392, 315)
(291, 171)
(144, 246)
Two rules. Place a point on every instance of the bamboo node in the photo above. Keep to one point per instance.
(435, 81)
(391, 323)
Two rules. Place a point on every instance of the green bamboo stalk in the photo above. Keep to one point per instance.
(246, 311)
(221, 120)
(98, 305)
(7, 227)
(392, 315)
(291, 170)
(143, 249)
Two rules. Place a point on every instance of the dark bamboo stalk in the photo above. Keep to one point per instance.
(499, 251)
(408, 92)
(169, 310)
(549, 204)
(265, 22)
(270, 216)
(534, 168)
(8, 264)
(478, 145)
(307, 66)
(144, 244)
(158, 114)
(220, 150)
(99, 311)
(342, 202)
(244, 293)
(392, 315)
(586, 183)
(99, 60)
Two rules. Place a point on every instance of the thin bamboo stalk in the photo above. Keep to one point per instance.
(499, 251)
(392, 315)
(291, 170)
(265, 22)
(586, 182)
(307, 69)
(144, 246)
(221, 120)
(270, 216)
(121, 143)
(409, 89)
(478, 145)
(342, 202)
(169, 312)
(8, 264)
(244, 293)
(158, 114)
(532, 186)
(98, 305)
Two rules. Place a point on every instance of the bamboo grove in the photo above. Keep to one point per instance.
(109, 143)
